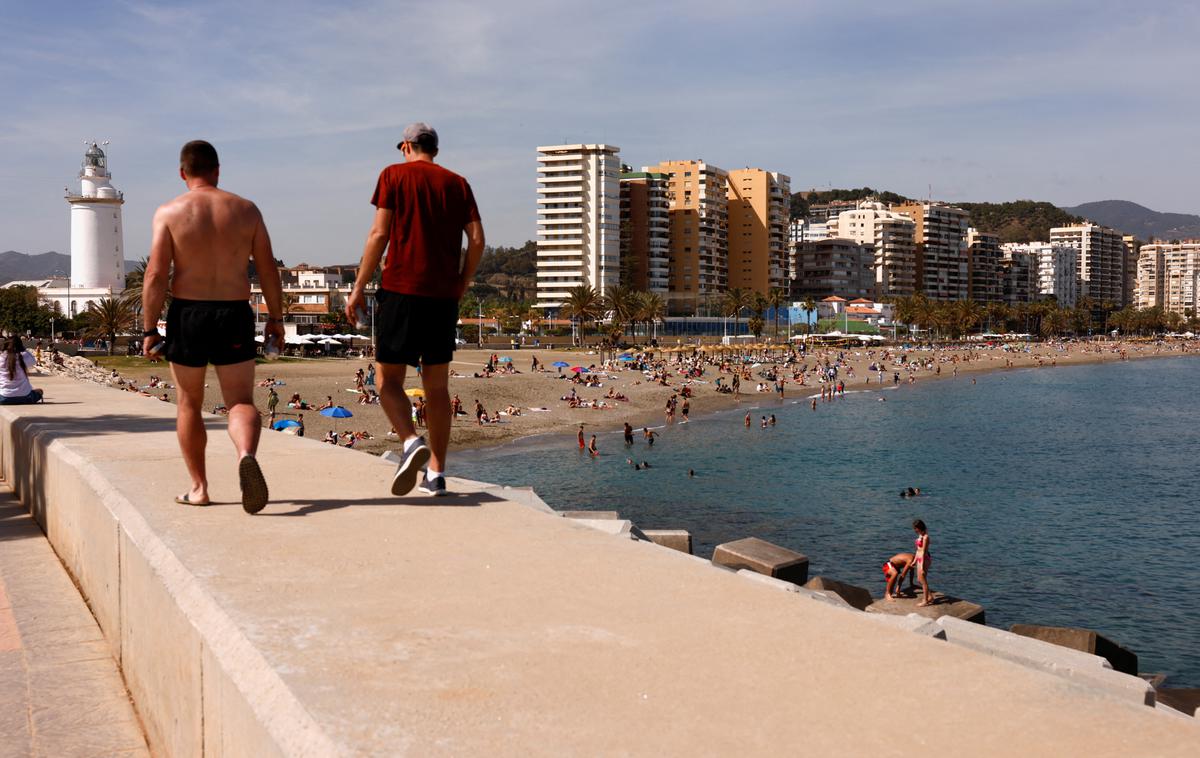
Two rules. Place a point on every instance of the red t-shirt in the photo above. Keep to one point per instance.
(432, 207)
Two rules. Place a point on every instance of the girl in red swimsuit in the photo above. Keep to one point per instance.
(924, 559)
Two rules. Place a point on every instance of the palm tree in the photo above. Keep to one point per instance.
(732, 304)
(809, 304)
(650, 308)
(622, 304)
(759, 304)
(582, 303)
(776, 298)
(106, 318)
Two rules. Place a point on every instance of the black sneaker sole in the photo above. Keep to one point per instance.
(406, 475)
(254, 486)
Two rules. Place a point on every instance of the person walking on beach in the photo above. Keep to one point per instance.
(203, 242)
(923, 559)
(422, 211)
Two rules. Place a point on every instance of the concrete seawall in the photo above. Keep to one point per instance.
(342, 620)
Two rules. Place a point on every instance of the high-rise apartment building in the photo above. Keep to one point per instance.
(833, 266)
(941, 239)
(1054, 271)
(983, 267)
(803, 230)
(699, 235)
(578, 220)
(1099, 260)
(645, 231)
(757, 229)
(890, 236)
(1018, 275)
(1169, 277)
(1132, 246)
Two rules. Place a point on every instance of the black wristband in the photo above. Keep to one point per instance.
(150, 333)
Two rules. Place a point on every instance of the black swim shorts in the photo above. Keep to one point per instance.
(413, 329)
(200, 332)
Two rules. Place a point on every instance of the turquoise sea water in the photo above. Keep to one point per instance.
(1061, 496)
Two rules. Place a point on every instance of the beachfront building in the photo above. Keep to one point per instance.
(1099, 260)
(314, 298)
(97, 241)
(757, 225)
(1018, 275)
(890, 237)
(698, 209)
(1132, 247)
(831, 210)
(1169, 277)
(645, 231)
(578, 220)
(803, 230)
(833, 267)
(941, 241)
(983, 267)
(1054, 270)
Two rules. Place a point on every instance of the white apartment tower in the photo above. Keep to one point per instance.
(578, 220)
(97, 255)
(1099, 260)
(1054, 268)
(890, 236)
(1169, 277)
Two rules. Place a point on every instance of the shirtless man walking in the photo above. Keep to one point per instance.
(209, 236)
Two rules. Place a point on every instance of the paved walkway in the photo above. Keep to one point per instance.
(60, 692)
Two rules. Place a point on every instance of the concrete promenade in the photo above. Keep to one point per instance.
(342, 620)
(61, 694)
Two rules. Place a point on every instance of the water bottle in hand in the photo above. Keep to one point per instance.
(271, 348)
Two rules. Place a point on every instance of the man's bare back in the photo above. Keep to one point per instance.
(210, 235)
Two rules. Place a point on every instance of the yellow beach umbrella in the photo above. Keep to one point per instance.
(415, 392)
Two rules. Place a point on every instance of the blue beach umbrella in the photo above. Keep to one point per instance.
(626, 358)
(560, 364)
(336, 411)
(505, 359)
(286, 423)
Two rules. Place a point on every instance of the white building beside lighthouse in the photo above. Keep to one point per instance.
(97, 246)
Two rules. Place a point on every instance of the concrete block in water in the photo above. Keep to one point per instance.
(856, 597)
(943, 605)
(824, 597)
(764, 558)
(676, 539)
(1083, 669)
(1085, 640)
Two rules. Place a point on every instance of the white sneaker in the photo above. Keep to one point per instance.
(414, 457)
(435, 486)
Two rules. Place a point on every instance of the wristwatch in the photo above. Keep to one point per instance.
(151, 333)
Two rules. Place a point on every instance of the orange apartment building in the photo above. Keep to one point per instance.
(698, 210)
(759, 208)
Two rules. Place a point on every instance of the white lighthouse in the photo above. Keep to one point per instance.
(97, 250)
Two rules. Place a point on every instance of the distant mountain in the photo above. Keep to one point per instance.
(1140, 221)
(16, 266)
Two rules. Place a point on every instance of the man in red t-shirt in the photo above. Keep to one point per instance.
(421, 213)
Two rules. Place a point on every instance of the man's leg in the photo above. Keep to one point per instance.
(396, 405)
(435, 380)
(237, 389)
(189, 427)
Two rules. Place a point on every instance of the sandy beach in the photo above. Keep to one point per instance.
(538, 395)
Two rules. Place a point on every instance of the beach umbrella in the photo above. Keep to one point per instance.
(626, 358)
(414, 392)
(328, 341)
(505, 359)
(560, 364)
(336, 411)
(285, 423)
(259, 338)
(579, 369)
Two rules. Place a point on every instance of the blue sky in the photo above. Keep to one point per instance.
(1061, 101)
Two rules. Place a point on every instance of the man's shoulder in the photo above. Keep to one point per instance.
(426, 169)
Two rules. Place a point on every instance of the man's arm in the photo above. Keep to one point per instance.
(377, 240)
(154, 281)
(474, 253)
(268, 280)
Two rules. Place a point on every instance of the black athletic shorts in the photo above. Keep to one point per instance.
(413, 329)
(200, 332)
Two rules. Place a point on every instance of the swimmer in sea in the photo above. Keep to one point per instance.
(747, 419)
(582, 445)
(592, 447)
(894, 571)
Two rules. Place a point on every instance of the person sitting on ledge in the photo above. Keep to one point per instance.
(15, 362)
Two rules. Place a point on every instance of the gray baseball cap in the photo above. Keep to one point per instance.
(414, 132)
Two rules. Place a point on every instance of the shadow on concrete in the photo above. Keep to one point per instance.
(94, 426)
(453, 500)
